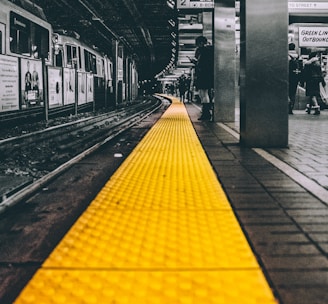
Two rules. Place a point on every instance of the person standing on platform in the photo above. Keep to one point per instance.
(172, 89)
(204, 74)
(182, 87)
(294, 76)
(189, 88)
(312, 76)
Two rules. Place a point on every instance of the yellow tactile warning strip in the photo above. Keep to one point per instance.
(160, 231)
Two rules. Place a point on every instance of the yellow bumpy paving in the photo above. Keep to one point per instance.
(160, 231)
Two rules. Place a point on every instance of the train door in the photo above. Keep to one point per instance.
(69, 73)
(99, 82)
(90, 64)
(109, 82)
(55, 77)
(58, 57)
(81, 79)
(2, 38)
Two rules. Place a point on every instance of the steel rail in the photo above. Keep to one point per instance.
(29, 190)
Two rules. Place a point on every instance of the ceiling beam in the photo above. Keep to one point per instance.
(95, 16)
(138, 19)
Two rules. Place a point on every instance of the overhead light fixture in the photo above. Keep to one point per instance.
(85, 22)
(94, 18)
(171, 22)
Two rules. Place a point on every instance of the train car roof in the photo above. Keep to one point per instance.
(31, 7)
(141, 26)
(73, 37)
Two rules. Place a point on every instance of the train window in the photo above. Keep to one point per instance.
(86, 61)
(74, 57)
(28, 38)
(71, 59)
(90, 62)
(103, 67)
(19, 35)
(100, 67)
(68, 55)
(80, 58)
(2, 38)
(58, 62)
(40, 43)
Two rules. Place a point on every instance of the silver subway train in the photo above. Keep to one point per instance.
(43, 67)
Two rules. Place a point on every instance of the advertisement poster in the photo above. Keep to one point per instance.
(82, 84)
(31, 83)
(90, 88)
(55, 85)
(9, 83)
(69, 86)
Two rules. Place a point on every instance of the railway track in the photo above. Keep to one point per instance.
(37, 114)
(31, 160)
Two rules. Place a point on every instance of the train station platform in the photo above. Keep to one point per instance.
(193, 217)
(280, 197)
(160, 231)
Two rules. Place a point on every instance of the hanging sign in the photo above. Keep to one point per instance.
(307, 7)
(313, 36)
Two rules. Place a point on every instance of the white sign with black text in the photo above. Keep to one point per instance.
(313, 36)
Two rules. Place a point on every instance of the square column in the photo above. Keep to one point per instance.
(224, 60)
(264, 73)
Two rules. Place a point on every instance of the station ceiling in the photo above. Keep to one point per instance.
(141, 25)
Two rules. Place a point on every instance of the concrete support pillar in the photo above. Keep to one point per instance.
(208, 25)
(264, 73)
(224, 60)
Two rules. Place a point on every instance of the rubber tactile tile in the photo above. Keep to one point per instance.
(154, 239)
(156, 287)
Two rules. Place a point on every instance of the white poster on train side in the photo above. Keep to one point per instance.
(55, 87)
(90, 88)
(9, 83)
(82, 85)
(31, 83)
(314, 37)
(69, 86)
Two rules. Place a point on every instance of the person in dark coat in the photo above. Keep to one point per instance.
(294, 76)
(204, 74)
(312, 76)
(182, 86)
(189, 88)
